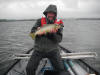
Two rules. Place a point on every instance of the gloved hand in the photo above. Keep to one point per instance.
(53, 30)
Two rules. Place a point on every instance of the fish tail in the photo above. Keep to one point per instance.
(32, 35)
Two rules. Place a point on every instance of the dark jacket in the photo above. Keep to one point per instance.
(49, 41)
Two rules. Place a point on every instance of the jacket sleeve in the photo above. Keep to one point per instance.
(56, 37)
(37, 24)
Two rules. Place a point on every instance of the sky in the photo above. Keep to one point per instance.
(30, 9)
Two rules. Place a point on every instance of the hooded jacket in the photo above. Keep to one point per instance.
(50, 8)
(50, 41)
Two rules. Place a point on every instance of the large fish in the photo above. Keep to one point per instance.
(46, 28)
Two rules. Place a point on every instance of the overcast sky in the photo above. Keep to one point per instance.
(28, 9)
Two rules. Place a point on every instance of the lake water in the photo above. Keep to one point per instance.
(78, 36)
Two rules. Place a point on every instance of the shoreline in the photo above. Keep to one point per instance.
(13, 20)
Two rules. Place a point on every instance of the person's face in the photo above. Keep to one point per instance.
(50, 15)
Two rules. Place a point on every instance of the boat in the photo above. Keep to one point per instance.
(70, 60)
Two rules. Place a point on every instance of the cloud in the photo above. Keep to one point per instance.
(45, 3)
(34, 8)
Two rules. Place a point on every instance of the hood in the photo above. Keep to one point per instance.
(50, 8)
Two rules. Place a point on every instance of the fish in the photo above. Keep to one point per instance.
(46, 28)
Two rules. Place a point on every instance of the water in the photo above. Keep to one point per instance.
(83, 36)
(14, 38)
(79, 36)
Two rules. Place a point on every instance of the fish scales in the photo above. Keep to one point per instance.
(46, 28)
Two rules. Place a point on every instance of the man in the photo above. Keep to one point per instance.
(46, 45)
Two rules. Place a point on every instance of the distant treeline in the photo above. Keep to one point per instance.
(88, 18)
(11, 20)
